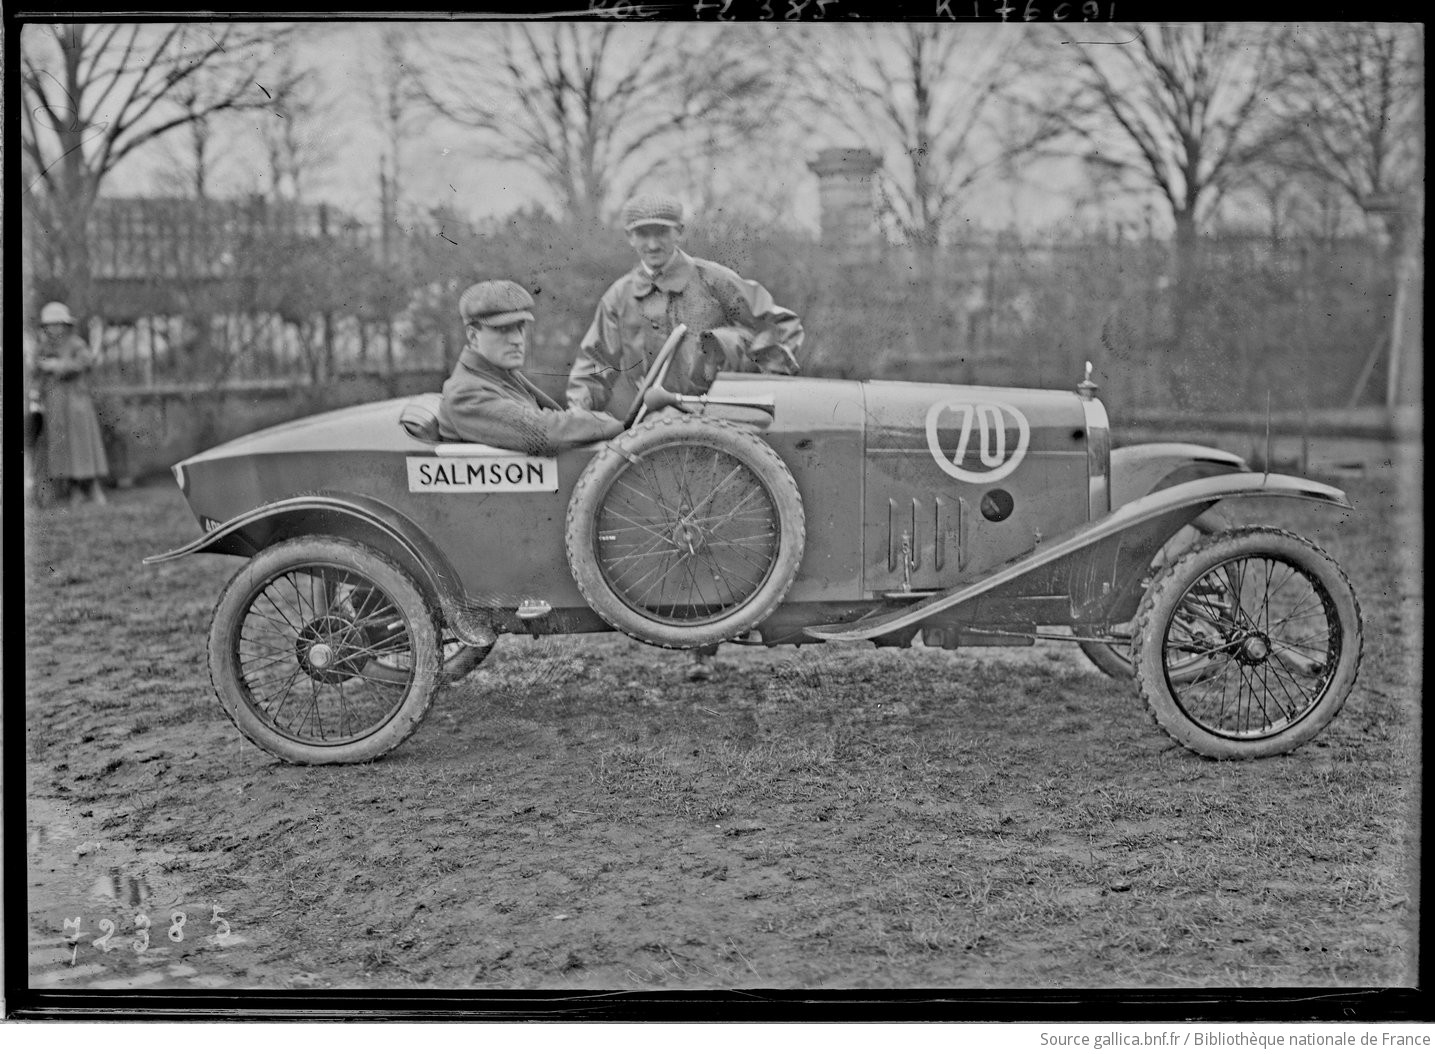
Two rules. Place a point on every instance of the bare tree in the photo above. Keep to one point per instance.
(293, 127)
(191, 154)
(1175, 108)
(95, 93)
(1349, 110)
(941, 104)
(594, 109)
(397, 110)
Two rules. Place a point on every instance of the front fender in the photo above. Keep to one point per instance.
(1138, 470)
(349, 516)
(1096, 564)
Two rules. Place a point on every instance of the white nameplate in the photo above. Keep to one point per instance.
(499, 471)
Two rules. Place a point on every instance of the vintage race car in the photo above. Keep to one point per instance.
(383, 563)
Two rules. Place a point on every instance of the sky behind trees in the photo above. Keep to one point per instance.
(978, 125)
(447, 164)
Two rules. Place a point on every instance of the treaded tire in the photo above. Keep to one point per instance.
(310, 653)
(1271, 666)
(653, 558)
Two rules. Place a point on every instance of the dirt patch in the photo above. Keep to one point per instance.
(575, 814)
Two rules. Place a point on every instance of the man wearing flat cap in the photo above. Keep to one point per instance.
(733, 324)
(486, 399)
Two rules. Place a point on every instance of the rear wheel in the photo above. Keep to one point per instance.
(322, 651)
(1275, 626)
(684, 532)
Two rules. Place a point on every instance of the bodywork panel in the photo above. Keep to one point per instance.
(508, 546)
(908, 489)
(936, 458)
(1092, 564)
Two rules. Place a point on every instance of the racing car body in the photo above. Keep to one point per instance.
(773, 510)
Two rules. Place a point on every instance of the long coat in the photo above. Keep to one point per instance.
(483, 403)
(733, 324)
(71, 446)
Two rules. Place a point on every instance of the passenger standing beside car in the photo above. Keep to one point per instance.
(733, 324)
(70, 450)
(486, 399)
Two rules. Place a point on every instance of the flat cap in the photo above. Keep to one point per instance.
(495, 303)
(652, 209)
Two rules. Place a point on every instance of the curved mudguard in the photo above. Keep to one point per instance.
(248, 533)
(1145, 467)
(1145, 522)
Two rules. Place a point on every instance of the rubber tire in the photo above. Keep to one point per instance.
(1165, 594)
(617, 455)
(228, 619)
(1117, 664)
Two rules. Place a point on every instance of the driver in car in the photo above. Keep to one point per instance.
(733, 323)
(486, 399)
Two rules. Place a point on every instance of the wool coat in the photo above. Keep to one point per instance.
(733, 324)
(483, 403)
(70, 446)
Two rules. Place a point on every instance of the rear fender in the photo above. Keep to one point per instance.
(1098, 565)
(1139, 470)
(357, 518)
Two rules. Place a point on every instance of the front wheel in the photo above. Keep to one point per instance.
(1275, 627)
(1114, 659)
(322, 651)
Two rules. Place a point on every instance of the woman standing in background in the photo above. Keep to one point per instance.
(70, 447)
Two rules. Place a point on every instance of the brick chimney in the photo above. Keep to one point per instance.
(844, 188)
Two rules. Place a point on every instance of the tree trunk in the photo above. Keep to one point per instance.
(1184, 278)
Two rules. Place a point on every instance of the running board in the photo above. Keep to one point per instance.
(891, 621)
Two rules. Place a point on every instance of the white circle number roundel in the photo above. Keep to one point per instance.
(984, 432)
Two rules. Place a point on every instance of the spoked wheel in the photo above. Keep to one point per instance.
(1114, 658)
(685, 532)
(1275, 627)
(323, 651)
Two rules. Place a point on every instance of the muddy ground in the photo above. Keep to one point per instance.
(576, 815)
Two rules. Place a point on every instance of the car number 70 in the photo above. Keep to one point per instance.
(989, 420)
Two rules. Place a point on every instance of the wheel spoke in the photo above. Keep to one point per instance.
(1273, 641)
(337, 631)
(716, 547)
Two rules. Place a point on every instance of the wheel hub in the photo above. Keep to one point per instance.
(688, 537)
(327, 648)
(1254, 650)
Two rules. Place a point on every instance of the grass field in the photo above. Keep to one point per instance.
(575, 814)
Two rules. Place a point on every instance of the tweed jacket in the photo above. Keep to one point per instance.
(733, 324)
(483, 403)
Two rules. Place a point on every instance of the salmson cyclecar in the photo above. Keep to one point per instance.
(383, 563)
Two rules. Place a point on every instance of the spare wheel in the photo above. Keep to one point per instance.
(685, 531)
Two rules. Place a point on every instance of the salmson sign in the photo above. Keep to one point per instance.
(464, 475)
(991, 439)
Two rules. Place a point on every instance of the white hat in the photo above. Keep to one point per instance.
(56, 314)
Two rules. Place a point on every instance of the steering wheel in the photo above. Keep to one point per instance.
(656, 373)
